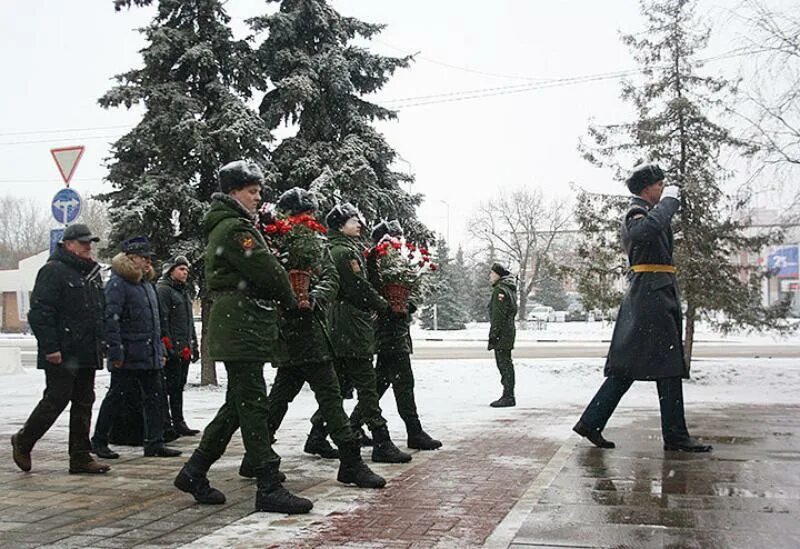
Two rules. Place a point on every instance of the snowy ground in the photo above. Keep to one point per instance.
(452, 396)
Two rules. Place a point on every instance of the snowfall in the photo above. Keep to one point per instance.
(452, 397)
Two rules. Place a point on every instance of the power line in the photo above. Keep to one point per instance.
(65, 130)
(431, 99)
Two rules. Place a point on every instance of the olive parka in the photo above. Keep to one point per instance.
(502, 312)
(350, 314)
(246, 283)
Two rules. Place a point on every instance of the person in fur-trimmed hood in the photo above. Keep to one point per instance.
(135, 350)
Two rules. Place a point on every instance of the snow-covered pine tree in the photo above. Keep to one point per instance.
(480, 287)
(444, 294)
(678, 125)
(316, 80)
(193, 84)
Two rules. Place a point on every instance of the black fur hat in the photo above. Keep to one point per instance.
(339, 215)
(238, 175)
(296, 201)
(500, 270)
(392, 228)
(643, 176)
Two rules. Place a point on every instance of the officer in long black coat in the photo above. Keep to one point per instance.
(646, 344)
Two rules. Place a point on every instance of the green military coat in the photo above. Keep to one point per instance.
(502, 312)
(350, 315)
(306, 332)
(246, 283)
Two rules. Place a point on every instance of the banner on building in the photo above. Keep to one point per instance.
(782, 262)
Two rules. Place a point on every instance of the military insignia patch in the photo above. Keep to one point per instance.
(248, 242)
(354, 266)
(501, 297)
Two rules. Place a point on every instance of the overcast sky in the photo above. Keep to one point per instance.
(57, 58)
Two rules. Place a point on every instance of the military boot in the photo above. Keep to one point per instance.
(192, 480)
(419, 439)
(504, 402)
(247, 470)
(362, 437)
(353, 470)
(21, 457)
(272, 497)
(384, 450)
(687, 444)
(317, 443)
(592, 435)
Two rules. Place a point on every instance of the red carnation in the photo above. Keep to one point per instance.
(423, 251)
(366, 253)
(434, 266)
(396, 245)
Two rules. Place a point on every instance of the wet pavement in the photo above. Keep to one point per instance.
(744, 494)
(516, 479)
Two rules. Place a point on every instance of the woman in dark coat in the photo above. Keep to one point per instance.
(646, 344)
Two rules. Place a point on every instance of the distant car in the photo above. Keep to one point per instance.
(540, 312)
(557, 316)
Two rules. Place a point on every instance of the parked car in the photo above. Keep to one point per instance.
(540, 312)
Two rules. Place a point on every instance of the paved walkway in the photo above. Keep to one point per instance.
(516, 480)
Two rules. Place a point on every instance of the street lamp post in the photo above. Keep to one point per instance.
(446, 203)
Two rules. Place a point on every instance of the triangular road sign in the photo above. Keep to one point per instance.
(67, 160)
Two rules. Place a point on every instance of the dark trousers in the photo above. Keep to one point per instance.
(63, 386)
(394, 369)
(176, 372)
(360, 372)
(245, 408)
(670, 397)
(506, 366)
(148, 384)
(321, 377)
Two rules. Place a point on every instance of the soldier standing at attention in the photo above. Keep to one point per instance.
(351, 323)
(647, 343)
(247, 284)
(502, 330)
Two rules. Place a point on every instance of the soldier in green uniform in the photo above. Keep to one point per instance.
(393, 366)
(351, 316)
(247, 284)
(503, 331)
(310, 359)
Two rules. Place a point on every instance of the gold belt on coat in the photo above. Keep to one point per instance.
(653, 268)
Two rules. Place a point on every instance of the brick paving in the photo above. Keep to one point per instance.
(515, 480)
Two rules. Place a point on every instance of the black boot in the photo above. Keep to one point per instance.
(272, 497)
(246, 470)
(192, 480)
(592, 435)
(317, 443)
(504, 402)
(384, 450)
(419, 439)
(103, 451)
(160, 451)
(361, 437)
(183, 430)
(688, 444)
(353, 470)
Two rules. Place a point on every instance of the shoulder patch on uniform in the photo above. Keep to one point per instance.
(247, 242)
(501, 297)
(355, 266)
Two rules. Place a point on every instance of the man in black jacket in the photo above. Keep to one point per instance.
(647, 343)
(66, 316)
(180, 338)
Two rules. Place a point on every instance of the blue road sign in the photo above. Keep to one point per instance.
(55, 238)
(66, 206)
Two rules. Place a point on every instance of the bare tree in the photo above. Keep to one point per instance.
(521, 228)
(95, 214)
(773, 89)
(24, 230)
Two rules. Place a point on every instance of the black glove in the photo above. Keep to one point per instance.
(399, 315)
(195, 353)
